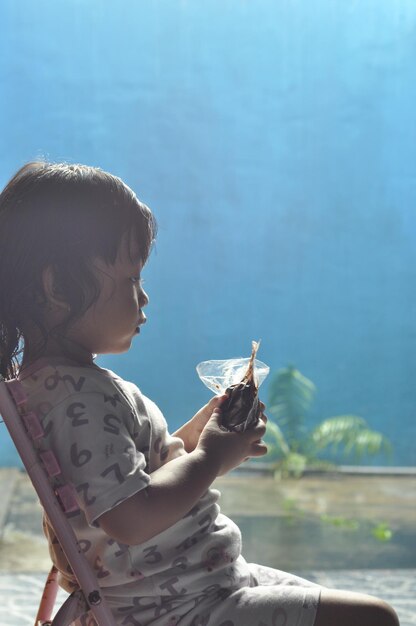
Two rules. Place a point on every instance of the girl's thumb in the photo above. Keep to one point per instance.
(218, 400)
(216, 414)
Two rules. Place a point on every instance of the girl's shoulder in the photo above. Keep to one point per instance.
(68, 378)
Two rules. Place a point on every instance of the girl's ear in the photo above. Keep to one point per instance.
(51, 289)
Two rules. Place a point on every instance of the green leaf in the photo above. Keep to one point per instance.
(382, 532)
(289, 387)
(341, 522)
(352, 433)
(290, 396)
(279, 443)
(335, 430)
(292, 465)
(368, 442)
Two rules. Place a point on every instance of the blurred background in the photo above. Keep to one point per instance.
(275, 142)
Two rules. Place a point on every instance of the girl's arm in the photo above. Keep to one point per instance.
(173, 490)
(175, 487)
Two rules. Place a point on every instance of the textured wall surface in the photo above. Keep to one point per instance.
(276, 144)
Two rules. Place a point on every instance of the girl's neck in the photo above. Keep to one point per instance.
(66, 349)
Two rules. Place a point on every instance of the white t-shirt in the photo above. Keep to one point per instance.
(108, 438)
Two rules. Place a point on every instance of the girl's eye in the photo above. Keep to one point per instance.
(137, 279)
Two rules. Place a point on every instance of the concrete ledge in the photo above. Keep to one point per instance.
(353, 470)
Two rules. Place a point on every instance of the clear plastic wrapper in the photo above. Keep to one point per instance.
(240, 380)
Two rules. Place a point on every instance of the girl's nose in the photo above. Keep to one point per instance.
(143, 298)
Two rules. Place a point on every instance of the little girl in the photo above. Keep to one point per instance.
(73, 244)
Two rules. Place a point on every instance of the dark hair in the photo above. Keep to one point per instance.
(62, 215)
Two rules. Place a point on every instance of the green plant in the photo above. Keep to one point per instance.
(381, 531)
(292, 447)
(293, 513)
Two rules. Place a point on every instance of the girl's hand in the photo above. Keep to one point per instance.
(226, 450)
(191, 431)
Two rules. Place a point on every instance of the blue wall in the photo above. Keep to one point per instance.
(276, 143)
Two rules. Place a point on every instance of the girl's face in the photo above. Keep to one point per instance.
(112, 322)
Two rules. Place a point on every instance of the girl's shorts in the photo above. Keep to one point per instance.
(274, 598)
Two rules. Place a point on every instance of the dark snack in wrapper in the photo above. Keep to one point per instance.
(242, 409)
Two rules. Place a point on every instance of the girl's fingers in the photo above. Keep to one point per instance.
(260, 429)
(214, 402)
(216, 416)
(258, 448)
(263, 416)
(218, 400)
(258, 432)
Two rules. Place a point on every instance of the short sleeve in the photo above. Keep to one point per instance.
(91, 437)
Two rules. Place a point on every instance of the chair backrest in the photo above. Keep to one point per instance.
(56, 497)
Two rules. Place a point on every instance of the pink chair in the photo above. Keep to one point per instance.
(57, 499)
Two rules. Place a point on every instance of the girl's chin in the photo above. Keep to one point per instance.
(120, 347)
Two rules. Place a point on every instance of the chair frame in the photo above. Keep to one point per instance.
(57, 499)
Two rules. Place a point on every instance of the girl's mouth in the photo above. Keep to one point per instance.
(142, 321)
